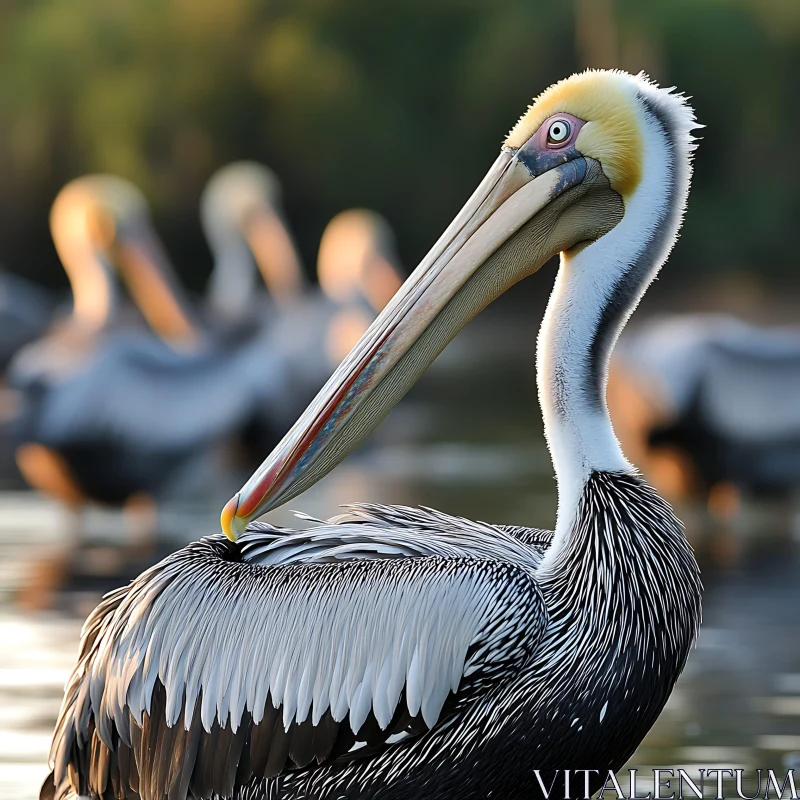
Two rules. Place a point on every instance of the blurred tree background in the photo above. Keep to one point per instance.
(399, 105)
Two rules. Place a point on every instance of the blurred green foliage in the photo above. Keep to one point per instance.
(399, 105)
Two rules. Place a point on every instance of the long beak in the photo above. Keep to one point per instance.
(464, 271)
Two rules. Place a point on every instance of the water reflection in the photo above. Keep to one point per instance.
(738, 703)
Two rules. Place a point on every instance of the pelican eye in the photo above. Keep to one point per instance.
(558, 132)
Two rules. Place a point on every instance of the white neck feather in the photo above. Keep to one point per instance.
(232, 283)
(595, 292)
(578, 432)
(93, 289)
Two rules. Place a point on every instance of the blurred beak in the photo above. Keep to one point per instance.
(275, 253)
(147, 272)
(445, 291)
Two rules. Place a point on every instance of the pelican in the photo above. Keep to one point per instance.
(240, 210)
(717, 395)
(405, 653)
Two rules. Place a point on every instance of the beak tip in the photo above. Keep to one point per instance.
(231, 525)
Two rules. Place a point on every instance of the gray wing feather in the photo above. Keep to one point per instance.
(225, 637)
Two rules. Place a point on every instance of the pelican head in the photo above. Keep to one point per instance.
(107, 217)
(241, 215)
(357, 270)
(83, 222)
(584, 161)
(357, 259)
(113, 208)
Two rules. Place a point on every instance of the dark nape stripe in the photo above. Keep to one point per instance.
(630, 285)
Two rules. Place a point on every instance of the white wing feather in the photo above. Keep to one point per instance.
(347, 636)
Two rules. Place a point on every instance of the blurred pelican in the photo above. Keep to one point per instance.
(110, 416)
(308, 328)
(79, 228)
(710, 403)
